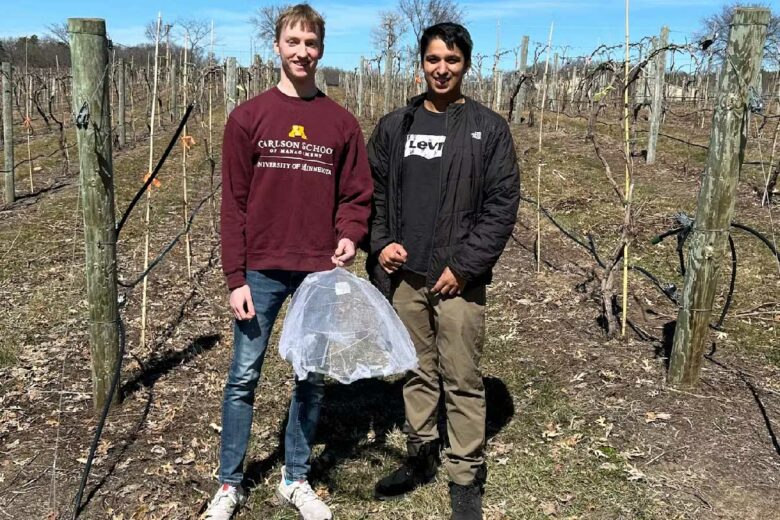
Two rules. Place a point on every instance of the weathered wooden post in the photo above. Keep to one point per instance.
(231, 90)
(8, 132)
(388, 75)
(517, 115)
(554, 85)
(174, 98)
(715, 207)
(257, 64)
(89, 58)
(319, 80)
(361, 70)
(121, 128)
(658, 95)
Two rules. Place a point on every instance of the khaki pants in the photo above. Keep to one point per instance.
(447, 334)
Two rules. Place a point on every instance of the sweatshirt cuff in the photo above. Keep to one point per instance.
(236, 280)
(355, 233)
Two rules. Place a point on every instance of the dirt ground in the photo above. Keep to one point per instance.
(580, 426)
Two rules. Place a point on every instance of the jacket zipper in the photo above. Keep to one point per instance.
(441, 181)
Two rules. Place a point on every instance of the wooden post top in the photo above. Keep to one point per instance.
(750, 16)
(95, 26)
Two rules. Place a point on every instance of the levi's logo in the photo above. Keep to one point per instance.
(426, 146)
(298, 131)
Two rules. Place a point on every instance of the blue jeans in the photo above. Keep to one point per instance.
(250, 338)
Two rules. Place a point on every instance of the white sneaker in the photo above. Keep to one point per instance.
(226, 502)
(302, 497)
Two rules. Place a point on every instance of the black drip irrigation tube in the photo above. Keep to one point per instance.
(669, 290)
(102, 422)
(682, 234)
(77, 506)
(156, 168)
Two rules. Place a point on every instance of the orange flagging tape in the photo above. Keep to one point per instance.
(187, 141)
(155, 182)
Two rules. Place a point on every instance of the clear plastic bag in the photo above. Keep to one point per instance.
(341, 326)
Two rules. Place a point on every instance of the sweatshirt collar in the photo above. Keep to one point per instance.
(293, 99)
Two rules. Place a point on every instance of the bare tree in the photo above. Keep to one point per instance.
(388, 33)
(714, 32)
(420, 14)
(385, 37)
(150, 30)
(264, 22)
(197, 32)
(59, 32)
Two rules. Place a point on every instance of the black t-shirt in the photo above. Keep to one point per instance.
(420, 186)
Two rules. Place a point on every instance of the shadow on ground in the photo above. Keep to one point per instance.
(350, 412)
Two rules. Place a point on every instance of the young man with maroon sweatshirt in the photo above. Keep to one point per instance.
(296, 191)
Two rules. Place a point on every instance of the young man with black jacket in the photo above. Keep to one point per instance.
(446, 192)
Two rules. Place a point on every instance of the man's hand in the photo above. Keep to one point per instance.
(392, 257)
(449, 284)
(345, 253)
(241, 303)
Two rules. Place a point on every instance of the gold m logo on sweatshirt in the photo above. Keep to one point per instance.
(298, 131)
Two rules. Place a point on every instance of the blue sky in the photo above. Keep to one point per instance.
(579, 25)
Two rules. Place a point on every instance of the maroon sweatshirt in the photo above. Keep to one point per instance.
(295, 180)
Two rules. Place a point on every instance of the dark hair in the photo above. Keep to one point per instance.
(451, 34)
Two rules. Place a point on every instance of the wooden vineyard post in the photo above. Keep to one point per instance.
(656, 107)
(495, 102)
(121, 128)
(361, 70)
(627, 189)
(132, 98)
(554, 86)
(172, 80)
(187, 141)
(715, 207)
(256, 65)
(539, 164)
(89, 56)
(147, 215)
(388, 74)
(231, 93)
(517, 115)
(8, 132)
(28, 124)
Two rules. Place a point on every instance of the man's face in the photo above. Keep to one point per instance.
(299, 50)
(443, 68)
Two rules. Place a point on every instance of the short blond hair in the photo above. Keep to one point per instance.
(302, 14)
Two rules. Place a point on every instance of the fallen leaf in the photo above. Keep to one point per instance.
(549, 508)
(553, 430)
(657, 416)
(634, 473)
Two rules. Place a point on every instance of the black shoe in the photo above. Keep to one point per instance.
(466, 501)
(418, 470)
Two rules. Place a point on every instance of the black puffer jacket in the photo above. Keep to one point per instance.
(478, 197)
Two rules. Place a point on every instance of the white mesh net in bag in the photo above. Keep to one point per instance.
(341, 326)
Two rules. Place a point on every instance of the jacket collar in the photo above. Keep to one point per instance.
(454, 109)
(415, 101)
